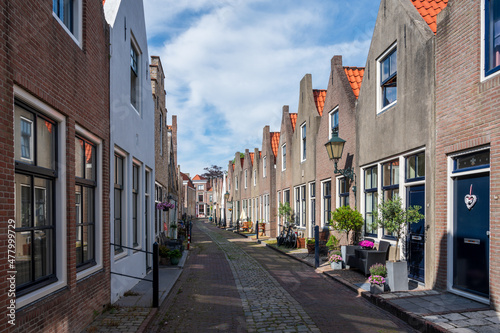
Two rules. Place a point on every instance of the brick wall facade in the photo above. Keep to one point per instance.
(39, 57)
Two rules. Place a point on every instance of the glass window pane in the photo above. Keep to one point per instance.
(23, 257)
(421, 165)
(390, 94)
(78, 158)
(88, 250)
(395, 173)
(473, 160)
(88, 205)
(118, 170)
(393, 61)
(43, 254)
(411, 167)
(79, 245)
(23, 200)
(386, 173)
(23, 132)
(90, 154)
(43, 202)
(45, 143)
(385, 69)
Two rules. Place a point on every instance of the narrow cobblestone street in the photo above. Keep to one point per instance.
(232, 284)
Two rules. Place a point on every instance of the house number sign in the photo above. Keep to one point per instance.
(470, 199)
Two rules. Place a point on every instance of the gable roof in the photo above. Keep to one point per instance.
(429, 9)
(293, 119)
(198, 177)
(275, 142)
(355, 76)
(319, 99)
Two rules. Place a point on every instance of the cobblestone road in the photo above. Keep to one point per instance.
(233, 284)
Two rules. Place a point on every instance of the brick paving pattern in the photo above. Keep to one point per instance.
(119, 320)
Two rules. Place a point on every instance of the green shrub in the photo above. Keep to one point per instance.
(175, 254)
(310, 241)
(344, 219)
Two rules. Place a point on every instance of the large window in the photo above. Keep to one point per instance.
(35, 176)
(135, 77)
(327, 201)
(343, 192)
(303, 142)
(135, 205)
(283, 154)
(85, 189)
(388, 78)
(371, 199)
(390, 182)
(69, 13)
(118, 204)
(334, 121)
(415, 167)
(492, 36)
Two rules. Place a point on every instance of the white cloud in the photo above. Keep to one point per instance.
(230, 66)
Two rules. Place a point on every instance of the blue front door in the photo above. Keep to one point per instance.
(416, 235)
(471, 221)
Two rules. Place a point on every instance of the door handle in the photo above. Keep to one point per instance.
(488, 233)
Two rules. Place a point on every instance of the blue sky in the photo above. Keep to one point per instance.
(231, 65)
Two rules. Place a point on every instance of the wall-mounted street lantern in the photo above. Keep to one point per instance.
(335, 147)
(226, 196)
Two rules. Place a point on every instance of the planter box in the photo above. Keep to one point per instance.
(376, 289)
(397, 275)
(310, 248)
(336, 265)
(301, 243)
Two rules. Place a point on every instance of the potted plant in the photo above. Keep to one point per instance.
(175, 256)
(333, 243)
(285, 212)
(377, 284)
(164, 206)
(164, 253)
(344, 219)
(311, 244)
(381, 270)
(335, 261)
(366, 244)
(391, 216)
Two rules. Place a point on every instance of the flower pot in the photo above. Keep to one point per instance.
(310, 248)
(336, 265)
(397, 275)
(301, 242)
(376, 289)
(174, 260)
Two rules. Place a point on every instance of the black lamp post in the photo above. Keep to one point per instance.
(335, 147)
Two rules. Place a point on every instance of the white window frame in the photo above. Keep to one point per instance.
(137, 49)
(330, 115)
(60, 197)
(125, 203)
(98, 208)
(303, 142)
(482, 70)
(283, 157)
(323, 222)
(379, 61)
(77, 24)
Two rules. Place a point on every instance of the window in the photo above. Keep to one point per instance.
(492, 36)
(264, 167)
(135, 77)
(415, 167)
(312, 205)
(158, 213)
(85, 189)
(343, 192)
(200, 197)
(201, 209)
(303, 142)
(118, 200)
(300, 206)
(255, 177)
(200, 188)
(327, 202)
(388, 78)
(334, 121)
(135, 205)
(371, 199)
(35, 184)
(236, 183)
(390, 182)
(69, 14)
(147, 179)
(476, 160)
(283, 160)
(246, 174)
(161, 134)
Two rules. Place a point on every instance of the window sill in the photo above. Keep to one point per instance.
(39, 293)
(387, 107)
(87, 272)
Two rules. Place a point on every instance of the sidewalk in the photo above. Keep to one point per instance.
(424, 309)
(132, 312)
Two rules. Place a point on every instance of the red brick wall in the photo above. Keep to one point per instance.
(45, 61)
(467, 116)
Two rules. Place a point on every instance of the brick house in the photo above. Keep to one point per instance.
(201, 185)
(189, 192)
(54, 164)
(334, 190)
(284, 161)
(467, 126)
(267, 180)
(161, 141)
(133, 145)
(302, 162)
(395, 128)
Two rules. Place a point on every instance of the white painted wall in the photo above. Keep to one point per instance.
(132, 133)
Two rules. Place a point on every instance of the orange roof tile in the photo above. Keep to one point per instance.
(251, 157)
(319, 99)
(293, 119)
(233, 166)
(355, 76)
(429, 9)
(260, 153)
(241, 160)
(197, 177)
(275, 142)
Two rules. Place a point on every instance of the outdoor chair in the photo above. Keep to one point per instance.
(362, 259)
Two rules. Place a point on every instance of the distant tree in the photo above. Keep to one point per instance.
(212, 172)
